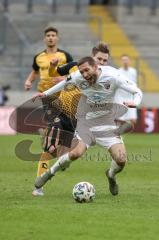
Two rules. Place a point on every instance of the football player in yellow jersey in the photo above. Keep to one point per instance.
(41, 64)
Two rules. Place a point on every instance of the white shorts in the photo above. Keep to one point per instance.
(104, 142)
(131, 114)
(102, 134)
(109, 142)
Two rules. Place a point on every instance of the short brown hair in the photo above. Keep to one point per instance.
(88, 59)
(100, 47)
(51, 29)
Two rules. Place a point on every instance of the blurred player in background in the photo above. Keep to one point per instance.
(3, 96)
(98, 86)
(130, 73)
(41, 64)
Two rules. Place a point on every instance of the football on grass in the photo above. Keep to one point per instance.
(83, 192)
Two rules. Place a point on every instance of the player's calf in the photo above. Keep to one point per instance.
(41, 180)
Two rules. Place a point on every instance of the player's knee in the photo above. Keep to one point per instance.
(75, 154)
(133, 123)
(121, 159)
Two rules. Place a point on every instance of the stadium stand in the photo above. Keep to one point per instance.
(25, 31)
(22, 27)
(139, 40)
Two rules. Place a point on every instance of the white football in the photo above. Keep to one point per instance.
(83, 192)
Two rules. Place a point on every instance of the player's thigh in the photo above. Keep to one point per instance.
(78, 151)
(62, 149)
(83, 132)
(60, 133)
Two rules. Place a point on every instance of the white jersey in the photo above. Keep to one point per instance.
(103, 91)
(122, 95)
(130, 73)
(105, 87)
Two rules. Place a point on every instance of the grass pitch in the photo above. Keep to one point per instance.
(133, 214)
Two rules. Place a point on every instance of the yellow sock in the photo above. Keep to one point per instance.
(43, 164)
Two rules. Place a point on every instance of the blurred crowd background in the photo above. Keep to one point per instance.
(128, 26)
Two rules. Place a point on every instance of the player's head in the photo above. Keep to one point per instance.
(51, 36)
(101, 53)
(88, 68)
(125, 61)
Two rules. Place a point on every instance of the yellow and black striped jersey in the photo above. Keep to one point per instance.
(69, 98)
(41, 64)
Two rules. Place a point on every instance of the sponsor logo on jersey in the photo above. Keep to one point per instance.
(84, 85)
(107, 84)
(96, 98)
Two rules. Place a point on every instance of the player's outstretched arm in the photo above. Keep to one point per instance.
(127, 86)
(136, 93)
(67, 68)
(130, 104)
(58, 87)
(62, 69)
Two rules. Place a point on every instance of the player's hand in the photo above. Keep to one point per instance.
(54, 62)
(130, 104)
(27, 85)
(38, 95)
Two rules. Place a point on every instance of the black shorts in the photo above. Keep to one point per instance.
(61, 128)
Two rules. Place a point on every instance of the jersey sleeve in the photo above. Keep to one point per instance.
(126, 85)
(34, 65)
(135, 75)
(66, 68)
(69, 57)
(71, 79)
(57, 88)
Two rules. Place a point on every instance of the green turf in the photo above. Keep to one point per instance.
(132, 215)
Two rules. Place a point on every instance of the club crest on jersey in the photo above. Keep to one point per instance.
(56, 120)
(107, 84)
(84, 85)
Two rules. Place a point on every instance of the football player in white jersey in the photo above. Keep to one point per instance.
(131, 74)
(127, 70)
(96, 115)
(100, 53)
